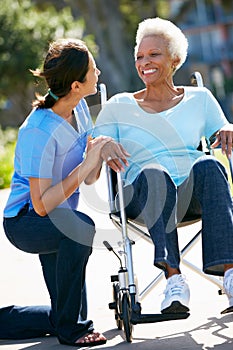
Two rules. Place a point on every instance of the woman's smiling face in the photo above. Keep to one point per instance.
(153, 60)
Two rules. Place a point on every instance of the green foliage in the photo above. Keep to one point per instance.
(7, 148)
(24, 37)
(134, 11)
(228, 85)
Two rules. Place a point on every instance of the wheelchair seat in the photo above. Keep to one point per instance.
(192, 215)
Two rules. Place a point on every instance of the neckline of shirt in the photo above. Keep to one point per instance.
(75, 113)
(162, 112)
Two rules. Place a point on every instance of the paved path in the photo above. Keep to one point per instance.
(21, 283)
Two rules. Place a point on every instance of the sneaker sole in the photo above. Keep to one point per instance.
(175, 308)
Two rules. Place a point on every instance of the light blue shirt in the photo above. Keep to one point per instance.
(47, 147)
(168, 139)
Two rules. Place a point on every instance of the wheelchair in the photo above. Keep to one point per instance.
(125, 305)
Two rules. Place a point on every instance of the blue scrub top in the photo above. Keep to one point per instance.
(47, 147)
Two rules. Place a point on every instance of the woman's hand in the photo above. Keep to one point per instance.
(114, 155)
(101, 149)
(94, 158)
(94, 149)
(224, 137)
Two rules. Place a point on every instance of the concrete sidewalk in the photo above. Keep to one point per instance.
(21, 283)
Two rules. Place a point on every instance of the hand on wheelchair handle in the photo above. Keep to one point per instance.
(224, 137)
(114, 155)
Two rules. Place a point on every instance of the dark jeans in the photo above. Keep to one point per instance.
(63, 241)
(19, 322)
(154, 198)
(24, 322)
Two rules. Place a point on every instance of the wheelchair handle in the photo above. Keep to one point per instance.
(108, 246)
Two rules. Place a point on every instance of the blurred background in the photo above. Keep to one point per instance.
(108, 28)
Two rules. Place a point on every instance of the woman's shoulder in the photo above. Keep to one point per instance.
(199, 92)
(40, 119)
(122, 97)
(195, 89)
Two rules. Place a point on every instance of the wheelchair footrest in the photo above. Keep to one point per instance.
(137, 318)
(228, 310)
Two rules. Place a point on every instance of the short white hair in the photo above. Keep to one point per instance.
(177, 42)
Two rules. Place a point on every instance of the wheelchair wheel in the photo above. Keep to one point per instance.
(116, 290)
(126, 313)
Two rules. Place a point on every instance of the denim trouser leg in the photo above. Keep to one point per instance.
(84, 308)
(154, 199)
(18, 322)
(68, 256)
(48, 263)
(212, 190)
(71, 268)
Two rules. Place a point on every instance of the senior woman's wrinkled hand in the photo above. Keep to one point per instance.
(224, 137)
(115, 155)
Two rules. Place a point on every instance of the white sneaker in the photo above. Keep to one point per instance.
(228, 285)
(177, 295)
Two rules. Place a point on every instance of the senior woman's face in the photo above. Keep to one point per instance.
(153, 61)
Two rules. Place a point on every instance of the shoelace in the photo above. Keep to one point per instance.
(176, 286)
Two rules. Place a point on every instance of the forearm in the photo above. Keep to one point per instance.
(53, 196)
(94, 174)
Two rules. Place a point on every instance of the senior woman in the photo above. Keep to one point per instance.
(161, 127)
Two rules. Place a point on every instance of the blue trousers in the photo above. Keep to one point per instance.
(154, 198)
(63, 240)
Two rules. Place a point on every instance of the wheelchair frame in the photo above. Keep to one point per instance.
(127, 308)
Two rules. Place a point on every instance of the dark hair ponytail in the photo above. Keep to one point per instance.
(67, 60)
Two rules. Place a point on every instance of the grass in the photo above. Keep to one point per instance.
(7, 148)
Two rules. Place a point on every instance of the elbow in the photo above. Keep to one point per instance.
(89, 181)
(40, 211)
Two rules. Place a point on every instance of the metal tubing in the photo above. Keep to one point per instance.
(103, 94)
(183, 252)
(199, 79)
(111, 198)
(212, 279)
(126, 241)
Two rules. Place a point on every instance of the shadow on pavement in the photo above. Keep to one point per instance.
(174, 341)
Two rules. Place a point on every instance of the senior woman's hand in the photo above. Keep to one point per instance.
(114, 155)
(224, 137)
